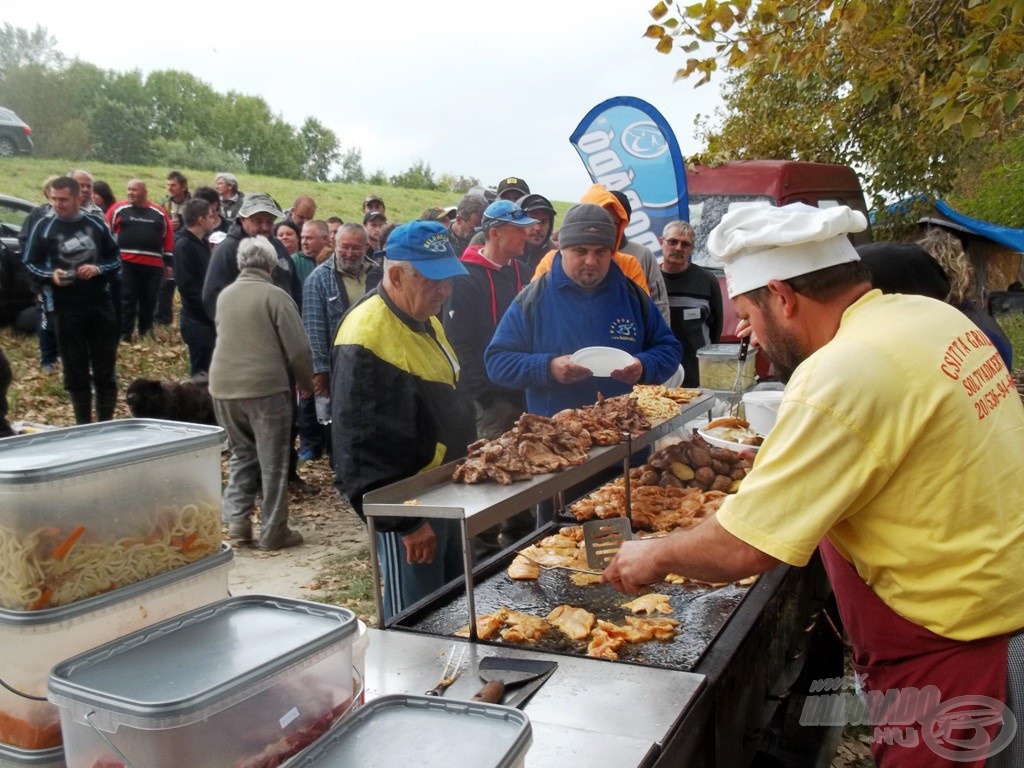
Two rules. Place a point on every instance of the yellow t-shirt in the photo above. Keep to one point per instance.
(902, 440)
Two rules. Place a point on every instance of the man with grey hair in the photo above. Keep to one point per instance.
(231, 199)
(334, 286)
(86, 204)
(261, 345)
(468, 215)
(694, 298)
(397, 411)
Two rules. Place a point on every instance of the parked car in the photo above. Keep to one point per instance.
(16, 289)
(15, 135)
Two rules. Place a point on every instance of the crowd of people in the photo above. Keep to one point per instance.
(392, 347)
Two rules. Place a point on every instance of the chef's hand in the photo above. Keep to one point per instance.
(565, 371)
(633, 568)
(321, 384)
(420, 545)
(743, 328)
(630, 374)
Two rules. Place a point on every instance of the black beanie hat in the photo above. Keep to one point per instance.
(588, 224)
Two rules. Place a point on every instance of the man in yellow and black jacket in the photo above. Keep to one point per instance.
(396, 409)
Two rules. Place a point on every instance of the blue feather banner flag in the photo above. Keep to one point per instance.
(628, 146)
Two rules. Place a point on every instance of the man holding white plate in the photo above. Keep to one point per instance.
(583, 327)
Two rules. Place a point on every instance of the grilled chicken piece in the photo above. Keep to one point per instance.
(487, 626)
(653, 629)
(648, 604)
(524, 627)
(605, 644)
(575, 623)
(523, 569)
(585, 579)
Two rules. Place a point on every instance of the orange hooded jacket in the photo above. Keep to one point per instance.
(599, 195)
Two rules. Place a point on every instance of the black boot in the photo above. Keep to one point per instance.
(106, 401)
(81, 402)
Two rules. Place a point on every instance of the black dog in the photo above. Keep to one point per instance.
(6, 377)
(175, 401)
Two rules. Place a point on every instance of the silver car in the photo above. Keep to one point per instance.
(15, 135)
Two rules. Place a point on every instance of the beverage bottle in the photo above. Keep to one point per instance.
(323, 408)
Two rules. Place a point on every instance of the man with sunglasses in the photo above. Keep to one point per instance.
(694, 298)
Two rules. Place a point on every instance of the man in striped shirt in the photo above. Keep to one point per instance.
(144, 233)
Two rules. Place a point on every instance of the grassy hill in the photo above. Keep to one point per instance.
(23, 177)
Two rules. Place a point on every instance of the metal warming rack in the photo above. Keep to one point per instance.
(479, 507)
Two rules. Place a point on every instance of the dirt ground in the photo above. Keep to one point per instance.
(332, 533)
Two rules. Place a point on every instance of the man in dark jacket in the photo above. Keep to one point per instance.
(397, 410)
(256, 216)
(191, 260)
(476, 305)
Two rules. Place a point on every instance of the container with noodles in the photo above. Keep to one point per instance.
(34, 641)
(93, 508)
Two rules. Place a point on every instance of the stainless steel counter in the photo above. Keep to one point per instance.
(588, 713)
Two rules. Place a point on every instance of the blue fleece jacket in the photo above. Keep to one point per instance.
(554, 316)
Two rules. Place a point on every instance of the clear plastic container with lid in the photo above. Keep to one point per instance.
(92, 508)
(242, 683)
(719, 364)
(40, 639)
(12, 757)
(440, 733)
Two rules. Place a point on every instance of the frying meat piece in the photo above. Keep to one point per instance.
(523, 627)
(649, 604)
(585, 579)
(654, 629)
(575, 623)
(487, 626)
(604, 645)
(523, 569)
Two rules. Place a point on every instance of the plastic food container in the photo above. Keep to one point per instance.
(40, 639)
(439, 733)
(243, 683)
(87, 509)
(12, 757)
(718, 364)
(762, 408)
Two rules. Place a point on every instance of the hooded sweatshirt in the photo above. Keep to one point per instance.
(477, 304)
(631, 268)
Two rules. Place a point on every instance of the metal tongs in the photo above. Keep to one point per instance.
(450, 673)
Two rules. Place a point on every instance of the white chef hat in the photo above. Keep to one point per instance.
(755, 244)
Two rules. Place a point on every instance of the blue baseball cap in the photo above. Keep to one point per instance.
(502, 212)
(425, 245)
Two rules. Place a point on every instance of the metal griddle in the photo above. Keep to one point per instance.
(701, 611)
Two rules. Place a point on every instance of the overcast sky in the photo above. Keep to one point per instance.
(485, 89)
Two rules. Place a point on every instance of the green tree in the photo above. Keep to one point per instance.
(416, 176)
(352, 167)
(183, 105)
(21, 48)
(121, 133)
(901, 89)
(378, 178)
(320, 147)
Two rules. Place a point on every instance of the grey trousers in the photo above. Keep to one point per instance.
(405, 584)
(259, 437)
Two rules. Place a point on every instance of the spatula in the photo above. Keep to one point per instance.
(603, 539)
(500, 673)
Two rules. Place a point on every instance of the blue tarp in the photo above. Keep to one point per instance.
(1011, 238)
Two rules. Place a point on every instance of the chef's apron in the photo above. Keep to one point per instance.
(896, 655)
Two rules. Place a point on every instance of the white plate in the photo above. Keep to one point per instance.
(601, 361)
(718, 442)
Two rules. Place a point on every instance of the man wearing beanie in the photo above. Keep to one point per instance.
(584, 301)
(896, 455)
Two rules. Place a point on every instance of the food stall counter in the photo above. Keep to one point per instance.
(620, 714)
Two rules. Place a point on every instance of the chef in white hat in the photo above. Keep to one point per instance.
(897, 455)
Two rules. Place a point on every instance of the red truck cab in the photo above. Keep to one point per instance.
(714, 190)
